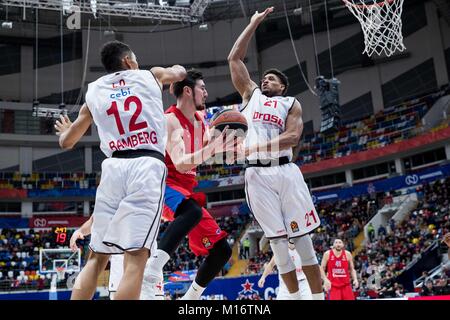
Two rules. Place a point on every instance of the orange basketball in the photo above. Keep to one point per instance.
(231, 118)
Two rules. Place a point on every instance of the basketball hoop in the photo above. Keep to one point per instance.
(60, 272)
(381, 24)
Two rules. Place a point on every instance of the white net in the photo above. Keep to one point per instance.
(381, 24)
(60, 272)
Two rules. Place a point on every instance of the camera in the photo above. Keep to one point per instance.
(328, 92)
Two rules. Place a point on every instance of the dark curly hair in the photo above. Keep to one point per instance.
(112, 53)
(283, 78)
(190, 81)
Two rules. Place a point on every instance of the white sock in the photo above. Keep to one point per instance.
(155, 265)
(194, 292)
(318, 296)
(295, 296)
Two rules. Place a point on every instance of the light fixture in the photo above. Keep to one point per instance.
(94, 8)
(298, 11)
(7, 25)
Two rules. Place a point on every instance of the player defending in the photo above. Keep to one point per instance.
(189, 145)
(283, 293)
(126, 106)
(275, 189)
(338, 264)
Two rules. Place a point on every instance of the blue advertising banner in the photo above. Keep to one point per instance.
(395, 183)
(232, 288)
(13, 223)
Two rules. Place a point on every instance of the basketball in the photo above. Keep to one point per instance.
(231, 118)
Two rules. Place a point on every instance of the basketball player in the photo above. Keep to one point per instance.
(275, 189)
(185, 129)
(283, 293)
(189, 145)
(126, 106)
(338, 264)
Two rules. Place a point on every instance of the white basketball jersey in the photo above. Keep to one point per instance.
(266, 118)
(298, 266)
(127, 108)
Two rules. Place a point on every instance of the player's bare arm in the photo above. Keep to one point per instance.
(288, 139)
(80, 233)
(239, 73)
(268, 269)
(185, 162)
(70, 133)
(323, 267)
(169, 75)
(296, 151)
(352, 270)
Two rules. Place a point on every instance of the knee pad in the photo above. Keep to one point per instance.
(281, 253)
(305, 249)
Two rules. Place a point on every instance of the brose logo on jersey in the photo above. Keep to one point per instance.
(267, 117)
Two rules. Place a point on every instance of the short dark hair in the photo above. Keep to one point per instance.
(112, 53)
(283, 78)
(190, 80)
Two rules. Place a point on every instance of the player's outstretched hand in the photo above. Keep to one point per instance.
(73, 240)
(446, 239)
(62, 125)
(259, 17)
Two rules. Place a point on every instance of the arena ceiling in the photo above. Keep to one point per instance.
(216, 10)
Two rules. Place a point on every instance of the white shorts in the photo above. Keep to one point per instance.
(128, 204)
(303, 286)
(280, 200)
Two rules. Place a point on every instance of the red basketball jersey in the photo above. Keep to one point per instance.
(337, 268)
(193, 141)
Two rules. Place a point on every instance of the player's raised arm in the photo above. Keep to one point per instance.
(239, 73)
(70, 133)
(169, 75)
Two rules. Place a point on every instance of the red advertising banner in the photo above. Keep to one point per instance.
(13, 193)
(430, 298)
(414, 143)
(56, 221)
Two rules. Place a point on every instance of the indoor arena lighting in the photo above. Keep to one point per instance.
(118, 8)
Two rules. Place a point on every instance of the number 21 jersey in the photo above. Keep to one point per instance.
(127, 108)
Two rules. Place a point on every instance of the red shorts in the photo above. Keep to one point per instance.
(341, 293)
(205, 234)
